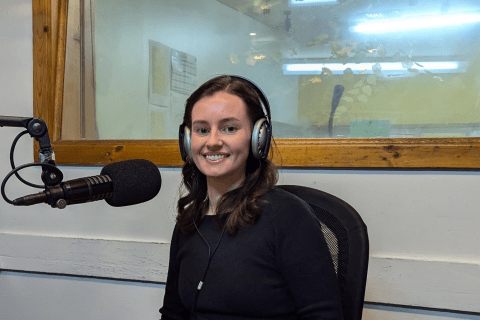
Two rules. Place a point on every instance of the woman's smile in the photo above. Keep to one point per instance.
(216, 157)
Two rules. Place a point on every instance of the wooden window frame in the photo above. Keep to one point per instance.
(49, 34)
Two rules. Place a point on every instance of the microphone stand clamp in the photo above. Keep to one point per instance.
(37, 128)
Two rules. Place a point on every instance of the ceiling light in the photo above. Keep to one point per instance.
(253, 34)
(386, 67)
(294, 3)
(415, 23)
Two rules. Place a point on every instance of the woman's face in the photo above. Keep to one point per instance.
(221, 133)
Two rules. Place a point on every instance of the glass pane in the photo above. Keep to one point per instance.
(347, 68)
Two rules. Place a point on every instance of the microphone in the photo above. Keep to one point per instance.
(120, 184)
(337, 94)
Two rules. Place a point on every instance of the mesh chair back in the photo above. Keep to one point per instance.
(347, 239)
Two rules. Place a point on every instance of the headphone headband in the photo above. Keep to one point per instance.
(261, 95)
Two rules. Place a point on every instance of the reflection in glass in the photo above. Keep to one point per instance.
(408, 69)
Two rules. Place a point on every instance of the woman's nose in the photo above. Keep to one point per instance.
(214, 140)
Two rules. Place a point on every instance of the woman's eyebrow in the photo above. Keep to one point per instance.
(230, 119)
(200, 122)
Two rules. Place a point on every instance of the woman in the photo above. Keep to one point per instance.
(241, 248)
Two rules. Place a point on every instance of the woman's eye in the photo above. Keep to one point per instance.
(229, 129)
(202, 131)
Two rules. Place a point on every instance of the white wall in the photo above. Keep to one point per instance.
(422, 228)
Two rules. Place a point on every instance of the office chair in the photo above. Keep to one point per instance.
(347, 240)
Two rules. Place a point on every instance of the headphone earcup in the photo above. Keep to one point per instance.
(261, 136)
(185, 143)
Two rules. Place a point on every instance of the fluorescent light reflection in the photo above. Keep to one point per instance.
(415, 23)
(338, 68)
(294, 3)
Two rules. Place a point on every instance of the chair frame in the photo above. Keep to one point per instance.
(358, 245)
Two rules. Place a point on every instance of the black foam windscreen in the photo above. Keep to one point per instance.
(134, 181)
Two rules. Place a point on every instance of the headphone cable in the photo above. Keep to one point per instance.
(210, 256)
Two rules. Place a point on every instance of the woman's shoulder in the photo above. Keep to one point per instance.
(284, 205)
(279, 196)
(287, 214)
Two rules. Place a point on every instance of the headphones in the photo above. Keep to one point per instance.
(261, 134)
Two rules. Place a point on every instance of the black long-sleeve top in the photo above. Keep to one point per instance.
(278, 268)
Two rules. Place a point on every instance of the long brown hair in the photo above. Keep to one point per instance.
(238, 207)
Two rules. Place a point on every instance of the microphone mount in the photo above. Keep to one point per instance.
(119, 184)
(37, 128)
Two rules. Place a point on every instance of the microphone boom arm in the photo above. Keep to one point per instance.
(37, 128)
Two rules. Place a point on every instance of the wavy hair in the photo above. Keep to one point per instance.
(237, 207)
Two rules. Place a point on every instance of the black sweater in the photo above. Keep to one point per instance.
(278, 268)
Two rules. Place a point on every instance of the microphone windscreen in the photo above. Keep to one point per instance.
(134, 181)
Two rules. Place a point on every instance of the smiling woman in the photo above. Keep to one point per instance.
(226, 147)
(230, 190)
(416, 116)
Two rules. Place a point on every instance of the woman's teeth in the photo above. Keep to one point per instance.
(215, 157)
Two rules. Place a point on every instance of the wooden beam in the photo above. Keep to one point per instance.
(412, 153)
(43, 72)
